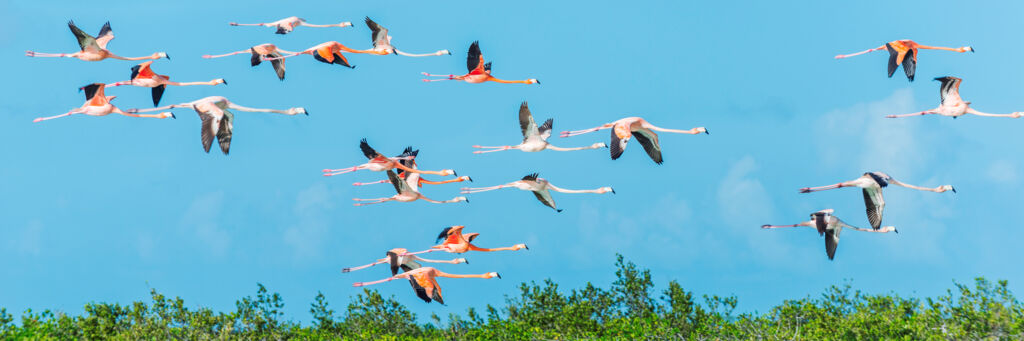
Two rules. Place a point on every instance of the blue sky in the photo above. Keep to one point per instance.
(102, 209)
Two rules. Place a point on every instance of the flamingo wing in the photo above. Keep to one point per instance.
(158, 93)
(224, 132)
(617, 146)
(649, 140)
(874, 204)
(545, 198)
(85, 41)
(105, 36)
(470, 236)
(820, 221)
(407, 158)
(421, 292)
(411, 265)
(435, 290)
(92, 90)
(367, 150)
(526, 122)
(378, 34)
(832, 240)
(949, 90)
(400, 185)
(545, 129)
(210, 130)
(444, 234)
(475, 60)
(393, 262)
(894, 57)
(278, 65)
(910, 64)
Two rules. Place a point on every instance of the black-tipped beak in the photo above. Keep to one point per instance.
(225, 81)
(499, 275)
(953, 189)
(538, 82)
(306, 112)
(167, 56)
(526, 247)
(471, 179)
(613, 191)
(466, 261)
(467, 200)
(455, 173)
(449, 52)
(346, 270)
(174, 117)
(897, 231)
(706, 132)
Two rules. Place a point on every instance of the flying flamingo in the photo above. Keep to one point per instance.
(290, 23)
(143, 75)
(94, 48)
(479, 71)
(952, 105)
(457, 242)
(540, 188)
(399, 258)
(382, 43)
(424, 281)
(408, 159)
(830, 226)
(534, 139)
(98, 104)
(379, 162)
(218, 122)
(407, 192)
(259, 52)
(644, 132)
(871, 184)
(904, 52)
(329, 52)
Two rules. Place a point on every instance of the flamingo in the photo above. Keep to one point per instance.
(217, 121)
(407, 192)
(259, 52)
(457, 242)
(830, 226)
(534, 139)
(624, 129)
(94, 48)
(871, 184)
(98, 104)
(380, 163)
(540, 188)
(143, 75)
(424, 281)
(904, 52)
(479, 71)
(951, 104)
(382, 43)
(290, 23)
(328, 52)
(408, 159)
(400, 259)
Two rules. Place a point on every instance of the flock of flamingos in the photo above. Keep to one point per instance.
(402, 171)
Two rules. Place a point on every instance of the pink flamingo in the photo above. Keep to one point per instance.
(94, 48)
(382, 43)
(379, 163)
(479, 71)
(399, 258)
(424, 281)
(830, 226)
(871, 184)
(952, 105)
(643, 131)
(535, 138)
(143, 75)
(904, 52)
(290, 23)
(457, 242)
(408, 159)
(98, 104)
(540, 188)
(259, 52)
(407, 192)
(328, 52)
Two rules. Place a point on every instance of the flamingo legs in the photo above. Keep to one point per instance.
(385, 181)
(41, 54)
(382, 261)
(593, 146)
(333, 172)
(226, 54)
(69, 113)
(361, 284)
(445, 77)
(784, 226)
(494, 149)
(438, 53)
(926, 112)
(569, 133)
(449, 201)
(115, 111)
(468, 190)
(822, 188)
(371, 201)
(860, 53)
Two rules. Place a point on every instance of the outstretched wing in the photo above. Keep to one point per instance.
(158, 93)
(92, 90)
(400, 185)
(421, 292)
(874, 204)
(211, 126)
(393, 262)
(224, 133)
(832, 241)
(649, 140)
(475, 60)
(379, 34)
(367, 150)
(617, 146)
(85, 41)
(545, 198)
(545, 129)
(910, 64)
(894, 56)
(949, 90)
(444, 234)
(105, 36)
(526, 123)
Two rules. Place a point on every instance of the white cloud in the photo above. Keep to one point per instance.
(29, 241)
(742, 199)
(306, 236)
(1002, 172)
(202, 218)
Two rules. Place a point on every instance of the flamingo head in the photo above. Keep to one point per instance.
(599, 145)
(492, 275)
(443, 52)
(703, 130)
(159, 55)
(966, 48)
(1016, 114)
(604, 190)
(345, 24)
(220, 81)
(521, 246)
(167, 114)
(947, 188)
(457, 199)
(466, 178)
(447, 172)
(887, 229)
(461, 260)
(532, 81)
(296, 111)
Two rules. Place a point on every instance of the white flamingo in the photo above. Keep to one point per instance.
(643, 131)
(830, 226)
(871, 184)
(290, 23)
(540, 187)
(952, 105)
(535, 138)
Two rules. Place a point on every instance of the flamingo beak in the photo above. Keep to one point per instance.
(306, 112)
(225, 81)
(497, 274)
(953, 189)
(895, 230)
(706, 132)
(167, 56)
(526, 247)
(613, 191)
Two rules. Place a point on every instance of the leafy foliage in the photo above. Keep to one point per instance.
(626, 310)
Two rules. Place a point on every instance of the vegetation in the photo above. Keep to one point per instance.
(627, 310)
